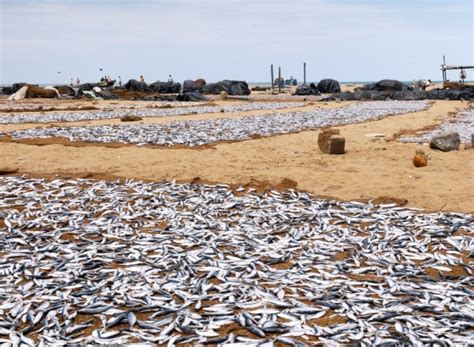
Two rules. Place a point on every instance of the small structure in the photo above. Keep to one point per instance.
(445, 68)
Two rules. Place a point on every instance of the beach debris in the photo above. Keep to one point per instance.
(191, 108)
(420, 159)
(329, 85)
(446, 142)
(96, 262)
(331, 142)
(201, 132)
(130, 118)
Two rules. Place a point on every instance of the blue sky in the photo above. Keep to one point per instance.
(233, 39)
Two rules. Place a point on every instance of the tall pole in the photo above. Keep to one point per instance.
(273, 81)
(444, 70)
(304, 73)
(279, 79)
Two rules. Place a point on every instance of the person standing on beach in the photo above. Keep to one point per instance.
(142, 79)
(120, 81)
(462, 76)
(170, 79)
(72, 82)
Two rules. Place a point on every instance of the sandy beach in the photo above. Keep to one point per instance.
(373, 167)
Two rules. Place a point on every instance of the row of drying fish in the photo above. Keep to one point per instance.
(39, 107)
(463, 124)
(201, 132)
(86, 261)
(15, 118)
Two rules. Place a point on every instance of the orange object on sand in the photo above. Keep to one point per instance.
(420, 159)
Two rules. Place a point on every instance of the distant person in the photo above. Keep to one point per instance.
(170, 79)
(421, 85)
(142, 79)
(120, 81)
(462, 76)
(78, 81)
(72, 82)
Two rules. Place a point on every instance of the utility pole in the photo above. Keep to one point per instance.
(279, 79)
(304, 73)
(273, 81)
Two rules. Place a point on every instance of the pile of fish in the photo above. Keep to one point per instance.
(201, 132)
(15, 118)
(35, 107)
(463, 124)
(85, 261)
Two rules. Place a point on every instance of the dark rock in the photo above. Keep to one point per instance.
(228, 86)
(387, 85)
(329, 86)
(446, 142)
(304, 89)
(193, 86)
(165, 87)
(135, 86)
(191, 96)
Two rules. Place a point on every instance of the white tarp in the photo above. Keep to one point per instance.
(19, 95)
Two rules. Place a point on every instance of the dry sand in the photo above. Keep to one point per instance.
(370, 168)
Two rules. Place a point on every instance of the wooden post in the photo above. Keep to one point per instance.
(279, 79)
(273, 81)
(304, 73)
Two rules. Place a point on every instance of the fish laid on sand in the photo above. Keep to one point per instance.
(202, 132)
(76, 116)
(85, 261)
(463, 124)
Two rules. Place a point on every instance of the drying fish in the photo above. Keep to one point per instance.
(87, 262)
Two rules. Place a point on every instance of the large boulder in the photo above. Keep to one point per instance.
(446, 142)
(305, 89)
(135, 86)
(165, 87)
(228, 86)
(193, 86)
(328, 85)
(387, 85)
